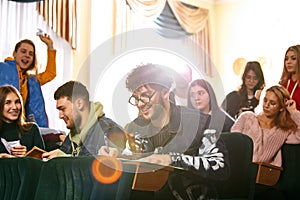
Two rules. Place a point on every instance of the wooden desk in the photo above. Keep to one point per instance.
(148, 176)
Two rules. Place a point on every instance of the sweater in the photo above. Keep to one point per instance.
(267, 143)
(185, 139)
(29, 138)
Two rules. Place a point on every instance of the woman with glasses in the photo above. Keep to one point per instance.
(290, 76)
(278, 123)
(247, 95)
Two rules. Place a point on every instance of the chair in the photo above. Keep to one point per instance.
(241, 183)
(290, 176)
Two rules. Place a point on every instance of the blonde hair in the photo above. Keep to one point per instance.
(283, 120)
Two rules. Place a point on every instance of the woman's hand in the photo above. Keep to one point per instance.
(5, 155)
(291, 105)
(18, 151)
(47, 40)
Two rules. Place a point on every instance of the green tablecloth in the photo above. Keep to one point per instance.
(59, 178)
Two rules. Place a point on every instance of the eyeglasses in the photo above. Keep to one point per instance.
(253, 78)
(144, 99)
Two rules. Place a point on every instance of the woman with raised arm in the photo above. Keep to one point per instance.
(278, 123)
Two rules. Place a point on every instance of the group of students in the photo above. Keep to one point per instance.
(277, 123)
(163, 132)
(22, 98)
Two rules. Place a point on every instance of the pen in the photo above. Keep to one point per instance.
(106, 142)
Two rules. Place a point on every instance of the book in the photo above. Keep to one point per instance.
(36, 152)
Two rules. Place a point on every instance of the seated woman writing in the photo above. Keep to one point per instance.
(17, 136)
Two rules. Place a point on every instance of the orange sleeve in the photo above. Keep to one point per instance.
(50, 72)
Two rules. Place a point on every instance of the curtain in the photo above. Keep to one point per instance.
(148, 8)
(178, 20)
(21, 20)
(61, 15)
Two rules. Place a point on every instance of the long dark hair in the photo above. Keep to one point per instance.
(22, 125)
(206, 85)
(256, 68)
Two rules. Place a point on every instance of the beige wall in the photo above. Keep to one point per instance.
(80, 55)
(240, 28)
(254, 29)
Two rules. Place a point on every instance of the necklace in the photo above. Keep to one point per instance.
(295, 86)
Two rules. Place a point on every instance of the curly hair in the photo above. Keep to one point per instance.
(148, 74)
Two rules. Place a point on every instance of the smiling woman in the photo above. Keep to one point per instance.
(21, 21)
(17, 136)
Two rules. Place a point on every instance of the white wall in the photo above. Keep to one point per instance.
(253, 29)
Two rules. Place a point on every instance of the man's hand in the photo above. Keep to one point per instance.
(18, 151)
(161, 159)
(47, 40)
(108, 151)
(51, 154)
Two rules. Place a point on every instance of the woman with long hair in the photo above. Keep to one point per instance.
(247, 95)
(278, 123)
(290, 77)
(201, 96)
(17, 136)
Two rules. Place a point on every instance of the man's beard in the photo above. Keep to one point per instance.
(159, 110)
(77, 121)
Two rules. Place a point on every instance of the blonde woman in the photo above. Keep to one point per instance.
(290, 77)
